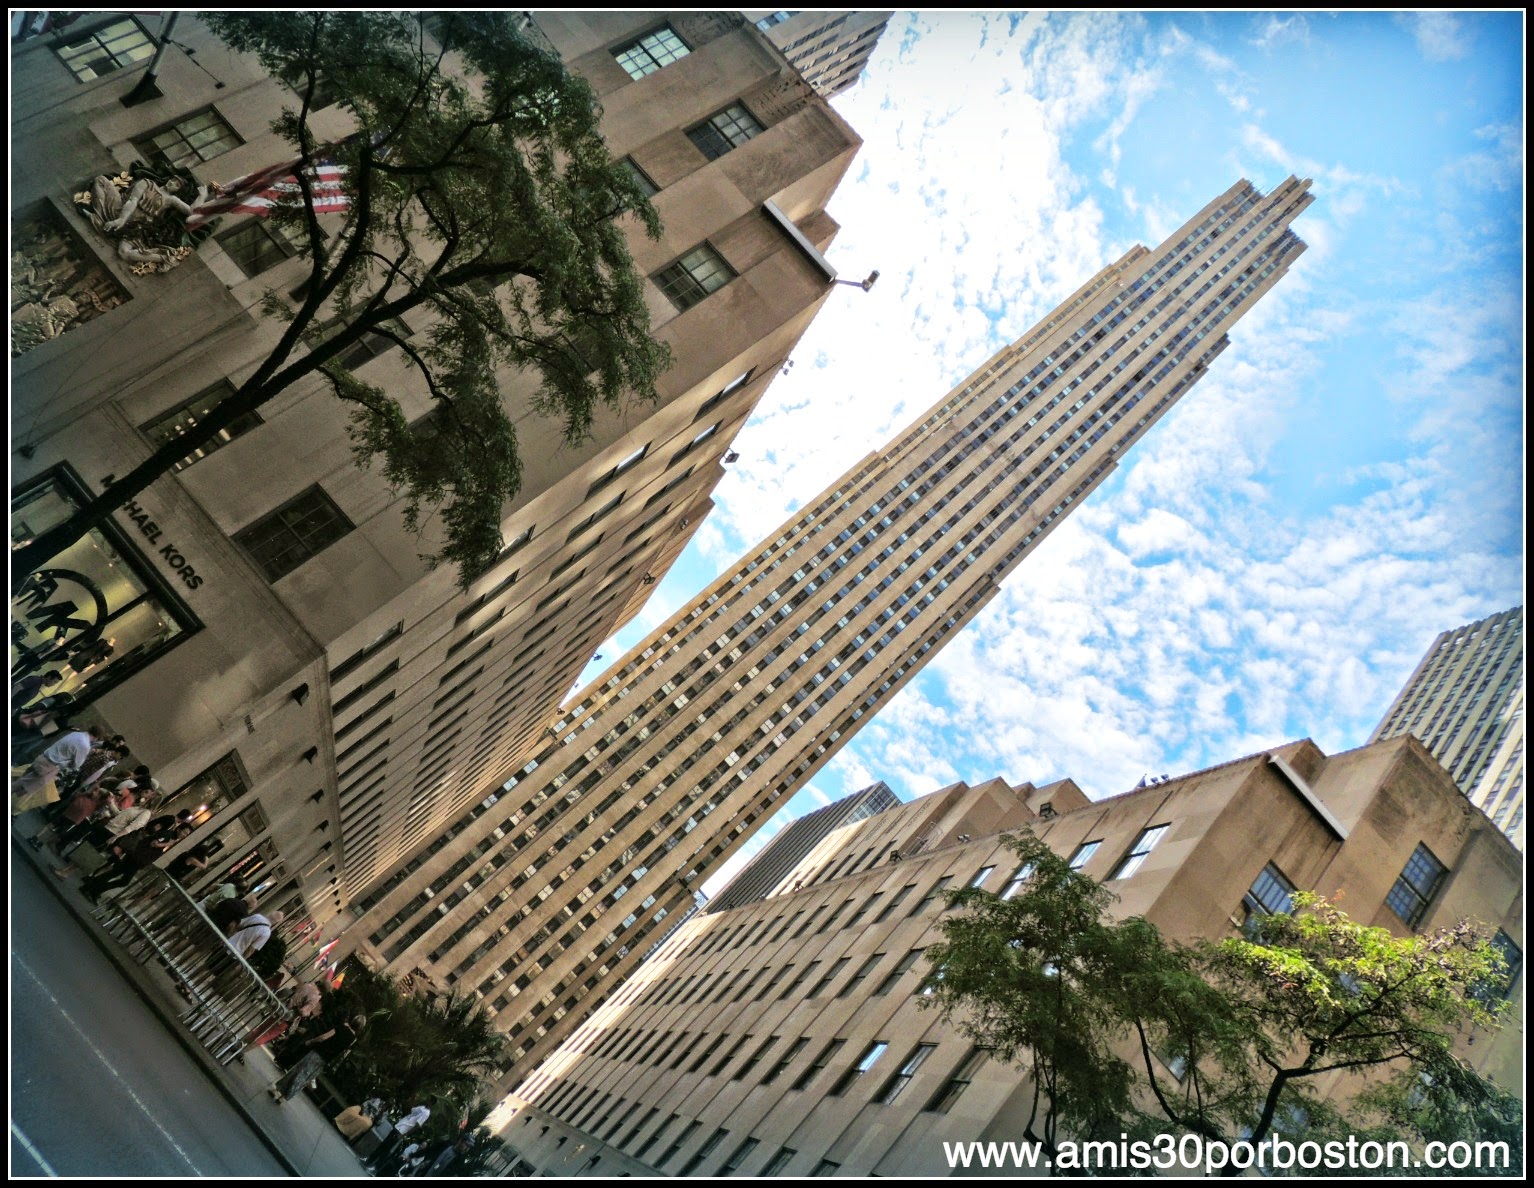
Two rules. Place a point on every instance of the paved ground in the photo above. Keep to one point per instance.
(105, 1080)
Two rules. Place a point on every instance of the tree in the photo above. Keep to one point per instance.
(412, 1050)
(485, 201)
(1098, 1010)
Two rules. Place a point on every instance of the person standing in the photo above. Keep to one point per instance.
(253, 932)
(404, 1127)
(38, 785)
(326, 1050)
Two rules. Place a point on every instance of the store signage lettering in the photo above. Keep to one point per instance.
(152, 533)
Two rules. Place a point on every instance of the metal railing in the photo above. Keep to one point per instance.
(228, 1005)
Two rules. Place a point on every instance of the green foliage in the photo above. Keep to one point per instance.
(1098, 1011)
(486, 205)
(412, 1050)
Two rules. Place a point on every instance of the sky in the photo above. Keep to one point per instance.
(1276, 555)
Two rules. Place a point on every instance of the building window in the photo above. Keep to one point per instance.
(723, 394)
(896, 1084)
(1018, 881)
(1271, 895)
(185, 417)
(281, 541)
(255, 245)
(1144, 844)
(776, 18)
(1084, 853)
(827, 1055)
(724, 130)
(623, 467)
(646, 186)
(1415, 889)
(693, 277)
(953, 1088)
(370, 345)
(704, 1151)
(981, 875)
(788, 1058)
(1501, 986)
(861, 975)
(109, 48)
(902, 967)
(778, 1162)
(826, 1167)
(198, 137)
(865, 1062)
(738, 1156)
(649, 53)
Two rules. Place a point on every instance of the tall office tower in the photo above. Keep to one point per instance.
(794, 842)
(786, 1036)
(1465, 701)
(260, 624)
(545, 896)
(829, 48)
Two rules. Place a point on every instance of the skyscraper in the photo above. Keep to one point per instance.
(259, 623)
(830, 48)
(795, 840)
(1465, 702)
(549, 891)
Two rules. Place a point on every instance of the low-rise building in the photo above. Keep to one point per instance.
(786, 1036)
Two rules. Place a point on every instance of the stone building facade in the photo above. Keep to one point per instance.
(261, 625)
(787, 1036)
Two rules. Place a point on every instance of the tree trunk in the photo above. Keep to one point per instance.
(49, 543)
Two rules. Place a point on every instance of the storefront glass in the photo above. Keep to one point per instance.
(95, 613)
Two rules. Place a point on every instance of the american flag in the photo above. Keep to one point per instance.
(268, 189)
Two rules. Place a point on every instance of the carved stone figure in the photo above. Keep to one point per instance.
(145, 211)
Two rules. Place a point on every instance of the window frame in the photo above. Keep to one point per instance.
(639, 43)
(242, 424)
(681, 285)
(189, 154)
(268, 237)
(321, 502)
(94, 35)
(1420, 901)
(1134, 858)
(715, 136)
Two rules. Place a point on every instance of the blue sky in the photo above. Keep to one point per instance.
(1274, 558)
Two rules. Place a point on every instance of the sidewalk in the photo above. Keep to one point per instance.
(302, 1137)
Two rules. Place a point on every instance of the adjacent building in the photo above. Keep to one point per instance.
(546, 895)
(260, 624)
(793, 843)
(829, 48)
(1465, 702)
(787, 1036)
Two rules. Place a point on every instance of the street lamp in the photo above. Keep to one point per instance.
(865, 285)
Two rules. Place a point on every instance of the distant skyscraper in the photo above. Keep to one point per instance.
(795, 840)
(829, 48)
(1465, 701)
(547, 894)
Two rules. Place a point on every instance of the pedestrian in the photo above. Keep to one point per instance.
(129, 813)
(38, 785)
(253, 932)
(325, 1050)
(137, 851)
(24, 690)
(403, 1128)
(304, 1002)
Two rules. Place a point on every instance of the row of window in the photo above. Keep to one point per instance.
(584, 1105)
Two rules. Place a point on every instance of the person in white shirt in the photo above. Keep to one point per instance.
(403, 1127)
(254, 931)
(39, 783)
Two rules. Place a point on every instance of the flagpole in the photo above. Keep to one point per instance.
(146, 88)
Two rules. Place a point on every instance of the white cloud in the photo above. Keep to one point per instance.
(1441, 36)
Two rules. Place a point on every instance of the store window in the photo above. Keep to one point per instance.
(97, 611)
